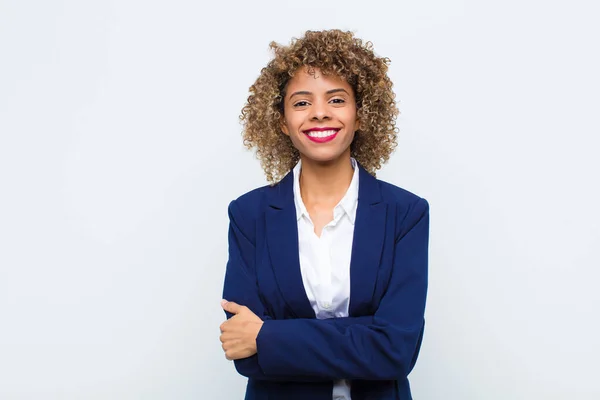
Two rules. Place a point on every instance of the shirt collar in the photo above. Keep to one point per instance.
(300, 208)
(348, 204)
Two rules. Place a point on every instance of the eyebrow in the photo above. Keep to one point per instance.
(304, 92)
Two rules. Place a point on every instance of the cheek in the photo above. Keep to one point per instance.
(293, 126)
(296, 140)
(293, 133)
(349, 115)
(350, 121)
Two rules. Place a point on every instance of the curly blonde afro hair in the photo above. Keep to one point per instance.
(332, 52)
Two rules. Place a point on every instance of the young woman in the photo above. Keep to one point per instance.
(326, 281)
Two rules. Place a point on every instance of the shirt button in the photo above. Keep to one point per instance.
(327, 306)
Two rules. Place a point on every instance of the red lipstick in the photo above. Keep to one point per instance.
(321, 134)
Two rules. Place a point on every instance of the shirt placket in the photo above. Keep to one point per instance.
(324, 257)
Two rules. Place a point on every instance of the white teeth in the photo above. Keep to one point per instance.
(321, 134)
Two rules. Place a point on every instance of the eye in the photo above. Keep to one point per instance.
(300, 104)
(338, 101)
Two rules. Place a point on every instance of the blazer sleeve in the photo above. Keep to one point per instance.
(241, 287)
(383, 348)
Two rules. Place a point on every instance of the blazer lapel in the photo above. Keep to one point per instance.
(282, 242)
(369, 232)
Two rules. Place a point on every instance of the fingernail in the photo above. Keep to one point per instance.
(223, 302)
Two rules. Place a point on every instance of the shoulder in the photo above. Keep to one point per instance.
(253, 203)
(245, 210)
(251, 206)
(247, 206)
(399, 196)
(409, 208)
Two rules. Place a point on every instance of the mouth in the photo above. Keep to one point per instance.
(321, 135)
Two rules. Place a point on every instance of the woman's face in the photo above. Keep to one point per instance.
(319, 115)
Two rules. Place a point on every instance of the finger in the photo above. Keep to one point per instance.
(229, 324)
(231, 306)
(227, 337)
(232, 353)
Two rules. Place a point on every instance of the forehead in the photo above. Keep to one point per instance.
(314, 80)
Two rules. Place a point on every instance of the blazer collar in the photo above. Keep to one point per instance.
(282, 242)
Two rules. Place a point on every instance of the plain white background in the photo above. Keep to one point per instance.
(120, 150)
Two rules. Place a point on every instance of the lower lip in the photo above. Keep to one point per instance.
(322, 139)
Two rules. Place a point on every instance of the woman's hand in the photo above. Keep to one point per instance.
(238, 333)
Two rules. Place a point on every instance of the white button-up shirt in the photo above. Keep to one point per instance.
(325, 260)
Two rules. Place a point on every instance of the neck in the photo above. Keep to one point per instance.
(325, 182)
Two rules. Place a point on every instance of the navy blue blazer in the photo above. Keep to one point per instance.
(376, 346)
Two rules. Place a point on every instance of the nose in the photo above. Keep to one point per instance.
(319, 111)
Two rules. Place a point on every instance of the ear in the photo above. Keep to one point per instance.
(357, 124)
(283, 126)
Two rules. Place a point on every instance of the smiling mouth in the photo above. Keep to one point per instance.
(321, 136)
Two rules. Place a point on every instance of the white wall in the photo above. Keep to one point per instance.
(120, 149)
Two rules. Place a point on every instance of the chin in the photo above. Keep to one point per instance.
(323, 157)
